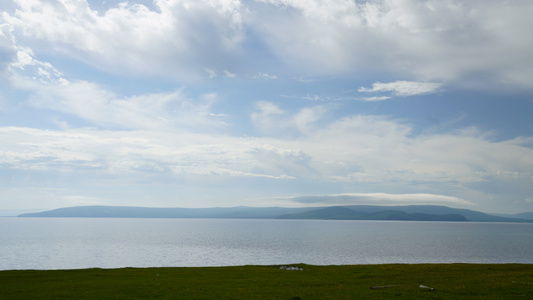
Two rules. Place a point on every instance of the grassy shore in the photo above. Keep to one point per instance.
(399, 281)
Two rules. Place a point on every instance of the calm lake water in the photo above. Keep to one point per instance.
(67, 243)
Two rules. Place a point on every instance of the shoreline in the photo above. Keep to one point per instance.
(273, 265)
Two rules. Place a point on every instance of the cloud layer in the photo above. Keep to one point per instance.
(448, 41)
(380, 199)
(430, 41)
(176, 38)
(182, 101)
(357, 151)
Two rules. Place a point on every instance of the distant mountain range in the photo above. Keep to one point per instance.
(354, 212)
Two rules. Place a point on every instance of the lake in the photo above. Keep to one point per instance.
(71, 243)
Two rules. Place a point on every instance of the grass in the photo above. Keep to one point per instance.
(451, 281)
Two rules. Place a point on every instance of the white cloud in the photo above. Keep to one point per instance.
(211, 73)
(290, 162)
(270, 119)
(313, 98)
(265, 76)
(8, 51)
(29, 68)
(173, 39)
(101, 107)
(379, 199)
(360, 153)
(376, 98)
(443, 41)
(19, 66)
(229, 74)
(170, 137)
(367, 149)
(148, 154)
(403, 88)
(267, 116)
(431, 41)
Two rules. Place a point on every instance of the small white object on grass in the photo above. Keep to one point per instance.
(426, 287)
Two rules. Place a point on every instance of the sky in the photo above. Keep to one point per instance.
(206, 103)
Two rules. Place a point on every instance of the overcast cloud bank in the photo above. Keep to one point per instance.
(185, 103)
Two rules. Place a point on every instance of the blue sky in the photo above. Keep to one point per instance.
(181, 103)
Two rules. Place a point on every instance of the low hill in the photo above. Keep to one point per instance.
(154, 212)
(345, 213)
(470, 215)
(525, 215)
(356, 212)
(331, 213)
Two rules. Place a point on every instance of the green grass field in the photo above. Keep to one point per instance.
(450, 281)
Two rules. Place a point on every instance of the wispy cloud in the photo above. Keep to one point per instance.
(402, 88)
(211, 73)
(375, 98)
(313, 98)
(271, 119)
(101, 107)
(265, 76)
(229, 74)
